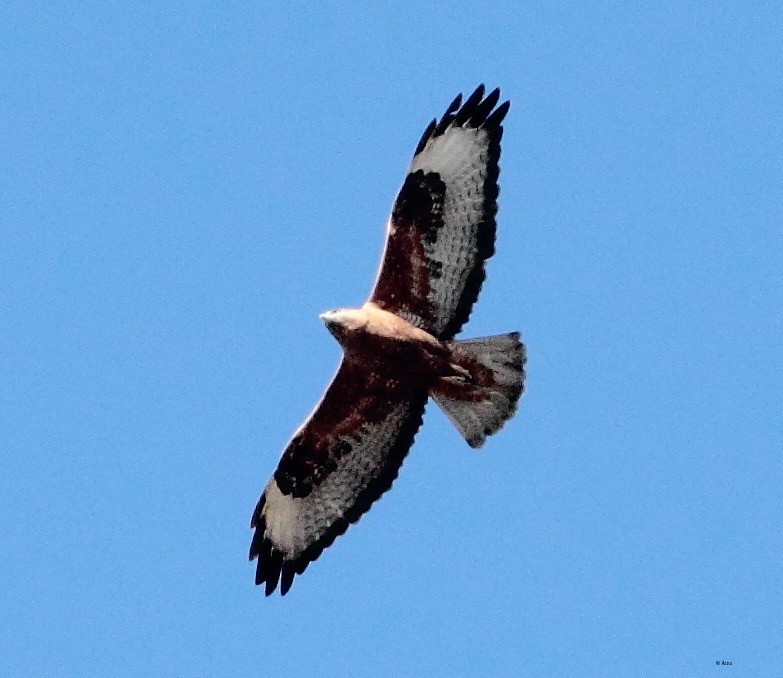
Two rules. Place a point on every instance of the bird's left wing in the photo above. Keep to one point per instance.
(442, 226)
(342, 459)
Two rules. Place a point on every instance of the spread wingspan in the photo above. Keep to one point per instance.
(349, 451)
(442, 226)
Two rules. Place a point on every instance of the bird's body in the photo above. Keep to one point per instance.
(399, 349)
(407, 356)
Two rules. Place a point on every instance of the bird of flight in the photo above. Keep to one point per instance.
(399, 349)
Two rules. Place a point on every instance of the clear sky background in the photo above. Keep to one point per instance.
(185, 186)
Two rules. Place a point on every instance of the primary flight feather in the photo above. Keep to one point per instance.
(399, 349)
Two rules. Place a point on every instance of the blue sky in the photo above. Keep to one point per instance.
(185, 186)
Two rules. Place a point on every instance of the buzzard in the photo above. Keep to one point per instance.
(399, 349)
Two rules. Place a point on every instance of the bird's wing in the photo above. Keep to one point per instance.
(442, 226)
(342, 459)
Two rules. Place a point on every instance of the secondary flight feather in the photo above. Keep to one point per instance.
(399, 349)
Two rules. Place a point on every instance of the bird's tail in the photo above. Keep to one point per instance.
(483, 393)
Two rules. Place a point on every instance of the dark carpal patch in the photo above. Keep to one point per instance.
(303, 466)
(420, 204)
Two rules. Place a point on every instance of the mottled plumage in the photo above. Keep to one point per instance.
(399, 349)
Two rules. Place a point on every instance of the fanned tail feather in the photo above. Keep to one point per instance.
(487, 406)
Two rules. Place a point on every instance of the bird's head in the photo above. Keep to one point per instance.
(343, 322)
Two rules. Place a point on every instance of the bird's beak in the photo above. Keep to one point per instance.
(332, 321)
(329, 319)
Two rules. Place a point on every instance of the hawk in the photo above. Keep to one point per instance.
(399, 349)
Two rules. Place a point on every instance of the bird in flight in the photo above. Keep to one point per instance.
(399, 349)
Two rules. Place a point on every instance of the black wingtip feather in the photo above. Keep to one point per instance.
(454, 105)
(498, 115)
(256, 544)
(425, 137)
(484, 108)
(448, 116)
(273, 566)
(469, 107)
(287, 578)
